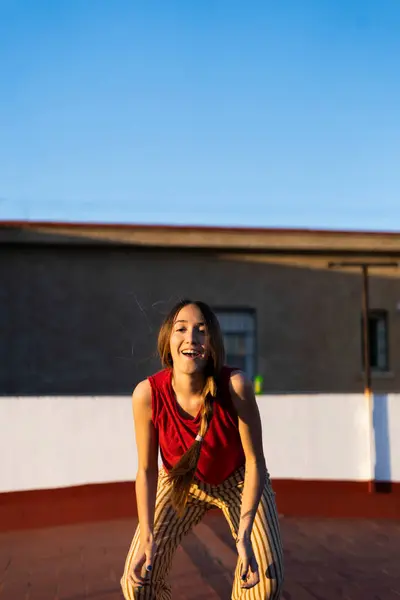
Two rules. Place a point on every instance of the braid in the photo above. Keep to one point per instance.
(182, 474)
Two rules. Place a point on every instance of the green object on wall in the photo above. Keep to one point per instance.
(258, 384)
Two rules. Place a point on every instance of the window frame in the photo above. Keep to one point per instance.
(376, 314)
(244, 310)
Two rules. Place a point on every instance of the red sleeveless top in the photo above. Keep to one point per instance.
(221, 452)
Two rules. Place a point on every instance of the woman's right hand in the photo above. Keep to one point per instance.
(249, 567)
(144, 557)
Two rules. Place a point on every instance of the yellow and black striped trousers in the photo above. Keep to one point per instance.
(169, 529)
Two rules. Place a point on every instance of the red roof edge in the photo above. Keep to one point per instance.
(205, 228)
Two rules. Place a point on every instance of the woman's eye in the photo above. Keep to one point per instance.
(182, 329)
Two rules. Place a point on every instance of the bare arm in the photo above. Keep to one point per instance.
(251, 436)
(147, 448)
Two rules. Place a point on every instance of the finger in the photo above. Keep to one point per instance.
(138, 566)
(249, 584)
(244, 571)
(137, 571)
(253, 575)
(149, 560)
(137, 581)
(252, 580)
(136, 575)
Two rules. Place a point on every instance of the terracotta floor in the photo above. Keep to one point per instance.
(325, 560)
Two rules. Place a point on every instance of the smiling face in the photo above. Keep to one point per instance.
(189, 341)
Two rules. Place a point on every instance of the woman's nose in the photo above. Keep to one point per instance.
(191, 334)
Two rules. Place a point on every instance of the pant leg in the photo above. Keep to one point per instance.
(265, 538)
(168, 532)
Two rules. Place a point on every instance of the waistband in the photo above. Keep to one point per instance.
(234, 480)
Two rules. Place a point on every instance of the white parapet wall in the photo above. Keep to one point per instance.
(386, 422)
(316, 437)
(53, 442)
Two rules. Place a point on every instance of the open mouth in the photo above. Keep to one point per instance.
(192, 354)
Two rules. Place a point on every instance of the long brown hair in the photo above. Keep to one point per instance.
(182, 474)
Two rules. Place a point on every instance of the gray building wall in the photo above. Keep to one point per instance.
(84, 320)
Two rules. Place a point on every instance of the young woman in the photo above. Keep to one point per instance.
(203, 417)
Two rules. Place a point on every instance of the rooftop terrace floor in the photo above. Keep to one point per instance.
(325, 560)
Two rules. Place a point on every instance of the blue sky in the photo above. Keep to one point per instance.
(223, 112)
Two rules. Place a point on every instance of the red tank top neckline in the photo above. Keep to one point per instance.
(221, 452)
(178, 407)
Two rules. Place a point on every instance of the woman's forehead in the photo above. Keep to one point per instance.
(189, 314)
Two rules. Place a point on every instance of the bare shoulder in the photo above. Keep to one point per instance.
(146, 438)
(245, 403)
(240, 385)
(141, 396)
(242, 394)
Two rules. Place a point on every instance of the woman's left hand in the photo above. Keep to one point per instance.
(249, 573)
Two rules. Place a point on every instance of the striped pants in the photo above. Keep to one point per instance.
(169, 529)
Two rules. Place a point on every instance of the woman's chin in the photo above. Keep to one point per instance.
(192, 366)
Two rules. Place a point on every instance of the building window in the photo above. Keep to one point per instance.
(378, 340)
(238, 329)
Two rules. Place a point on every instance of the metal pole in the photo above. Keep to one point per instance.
(367, 375)
(365, 314)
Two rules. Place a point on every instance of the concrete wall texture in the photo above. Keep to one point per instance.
(55, 442)
(82, 320)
